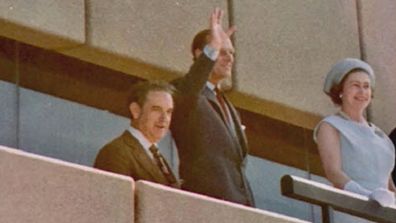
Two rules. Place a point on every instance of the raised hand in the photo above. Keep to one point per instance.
(218, 35)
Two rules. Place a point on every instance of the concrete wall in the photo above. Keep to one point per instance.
(148, 33)
(378, 37)
(39, 189)
(284, 48)
(156, 203)
(51, 24)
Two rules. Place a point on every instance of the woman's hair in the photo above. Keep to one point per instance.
(336, 89)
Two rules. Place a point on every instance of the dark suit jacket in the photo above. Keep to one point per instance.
(392, 136)
(211, 155)
(125, 155)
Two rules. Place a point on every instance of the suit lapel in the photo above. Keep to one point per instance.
(240, 135)
(144, 160)
(238, 126)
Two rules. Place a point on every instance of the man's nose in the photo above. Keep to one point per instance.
(230, 57)
(164, 116)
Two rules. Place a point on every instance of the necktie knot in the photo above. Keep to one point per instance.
(218, 91)
(154, 150)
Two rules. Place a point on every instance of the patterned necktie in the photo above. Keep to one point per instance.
(220, 99)
(163, 165)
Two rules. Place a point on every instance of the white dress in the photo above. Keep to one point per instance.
(367, 153)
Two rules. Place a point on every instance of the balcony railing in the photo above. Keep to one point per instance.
(328, 197)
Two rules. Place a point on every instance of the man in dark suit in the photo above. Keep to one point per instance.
(206, 127)
(134, 153)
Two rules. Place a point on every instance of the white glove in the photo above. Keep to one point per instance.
(354, 187)
(383, 196)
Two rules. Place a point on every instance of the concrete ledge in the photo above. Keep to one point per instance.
(157, 203)
(39, 189)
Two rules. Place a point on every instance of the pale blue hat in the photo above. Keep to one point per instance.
(343, 67)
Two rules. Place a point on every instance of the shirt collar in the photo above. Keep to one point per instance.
(211, 86)
(141, 138)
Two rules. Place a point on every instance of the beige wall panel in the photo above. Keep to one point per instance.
(131, 35)
(38, 189)
(285, 48)
(158, 204)
(49, 24)
(379, 38)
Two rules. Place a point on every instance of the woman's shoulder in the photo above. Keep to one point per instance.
(333, 118)
(331, 121)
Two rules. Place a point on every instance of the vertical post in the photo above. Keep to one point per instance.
(18, 94)
(326, 214)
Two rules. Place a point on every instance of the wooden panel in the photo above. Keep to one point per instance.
(7, 60)
(75, 80)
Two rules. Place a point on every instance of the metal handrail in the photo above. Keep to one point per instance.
(329, 197)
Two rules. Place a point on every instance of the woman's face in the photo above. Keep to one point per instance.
(356, 91)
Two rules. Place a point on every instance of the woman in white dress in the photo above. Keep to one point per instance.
(356, 155)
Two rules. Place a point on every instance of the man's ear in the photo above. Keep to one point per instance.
(197, 53)
(135, 110)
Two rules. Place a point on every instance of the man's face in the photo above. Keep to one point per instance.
(223, 66)
(154, 117)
